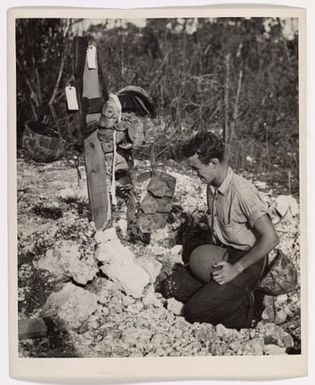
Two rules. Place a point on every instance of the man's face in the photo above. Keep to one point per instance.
(206, 173)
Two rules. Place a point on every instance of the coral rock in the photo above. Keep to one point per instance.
(150, 222)
(274, 350)
(218, 348)
(164, 237)
(65, 259)
(135, 308)
(127, 300)
(161, 185)
(269, 311)
(225, 333)
(72, 306)
(281, 316)
(104, 289)
(235, 346)
(150, 298)
(286, 204)
(174, 306)
(150, 265)
(119, 263)
(152, 205)
(252, 347)
(273, 334)
(177, 250)
(122, 225)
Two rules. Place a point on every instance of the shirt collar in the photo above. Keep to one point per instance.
(226, 182)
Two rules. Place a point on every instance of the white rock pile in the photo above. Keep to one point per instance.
(108, 305)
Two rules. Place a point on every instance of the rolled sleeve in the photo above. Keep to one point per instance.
(252, 206)
(256, 215)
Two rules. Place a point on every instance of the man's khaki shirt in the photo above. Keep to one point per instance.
(233, 209)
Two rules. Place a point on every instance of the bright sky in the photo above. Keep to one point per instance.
(138, 22)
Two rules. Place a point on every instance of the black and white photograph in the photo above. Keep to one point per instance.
(158, 187)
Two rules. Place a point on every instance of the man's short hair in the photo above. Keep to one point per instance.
(207, 146)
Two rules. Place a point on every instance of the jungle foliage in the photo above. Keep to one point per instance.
(235, 76)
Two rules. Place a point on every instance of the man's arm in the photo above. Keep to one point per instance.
(266, 240)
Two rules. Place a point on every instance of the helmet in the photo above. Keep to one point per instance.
(203, 258)
(41, 143)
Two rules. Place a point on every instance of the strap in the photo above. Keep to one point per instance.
(265, 263)
(113, 186)
(93, 105)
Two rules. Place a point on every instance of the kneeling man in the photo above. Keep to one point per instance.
(238, 223)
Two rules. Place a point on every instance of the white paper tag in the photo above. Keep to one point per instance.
(91, 57)
(71, 96)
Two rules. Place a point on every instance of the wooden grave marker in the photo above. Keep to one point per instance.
(92, 94)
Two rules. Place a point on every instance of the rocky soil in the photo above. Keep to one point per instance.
(62, 276)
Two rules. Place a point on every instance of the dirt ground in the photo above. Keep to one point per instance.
(54, 217)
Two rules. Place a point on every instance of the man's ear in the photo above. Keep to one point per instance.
(213, 162)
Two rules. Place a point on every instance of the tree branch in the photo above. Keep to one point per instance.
(60, 73)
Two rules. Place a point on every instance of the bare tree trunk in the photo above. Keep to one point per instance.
(152, 159)
(235, 110)
(61, 68)
(60, 73)
(37, 80)
(34, 110)
(33, 94)
(122, 56)
(226, 134)
(283, 40)
(160, 71)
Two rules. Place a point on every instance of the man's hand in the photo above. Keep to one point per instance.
(225, 272)
(266, 240)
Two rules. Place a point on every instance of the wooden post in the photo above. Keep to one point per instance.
(89, 87)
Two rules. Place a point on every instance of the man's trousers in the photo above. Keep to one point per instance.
(230, 304)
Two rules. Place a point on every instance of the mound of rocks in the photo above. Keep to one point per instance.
(118, 313)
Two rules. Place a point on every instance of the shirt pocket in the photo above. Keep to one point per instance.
(232, 231)
(223, 215)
